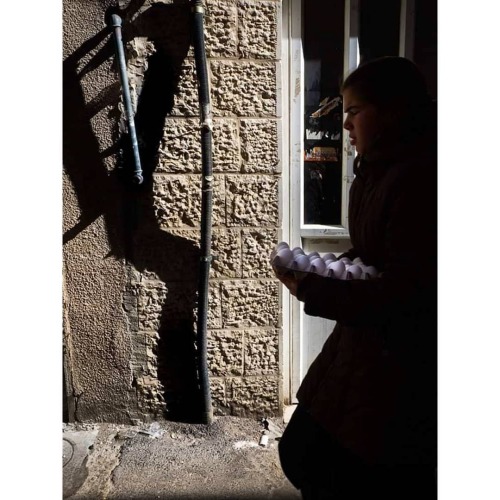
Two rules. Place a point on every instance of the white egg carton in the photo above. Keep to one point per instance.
(296, 260)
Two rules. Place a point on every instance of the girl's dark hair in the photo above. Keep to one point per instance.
(389, 82)
(395, 85)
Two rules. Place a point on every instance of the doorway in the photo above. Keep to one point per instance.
(322, 43)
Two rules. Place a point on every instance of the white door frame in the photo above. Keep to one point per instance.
(407, 29)
(292, 173)
(286, 344)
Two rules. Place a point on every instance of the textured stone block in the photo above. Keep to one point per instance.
(150, 395)
(250, 303)
(258, 29)
(226, 150)
(177, 200)
(180, 148)
(225, 352)
(214, 312)
(186, 96)
(260, 146)
(214, 319)
(254, 396)
(219, 399)
(257, 245)
(168, 256)
(226, 247)
(221, 21)
(174, 305)
(151, 299)
(179, 307)
(261, 352)
(241, 88)
(176, 256)
(139, 49)
(166, 22)
(252, 201)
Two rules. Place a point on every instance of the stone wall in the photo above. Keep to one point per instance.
(140, 255)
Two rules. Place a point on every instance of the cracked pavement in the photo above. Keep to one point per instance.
(171, 460)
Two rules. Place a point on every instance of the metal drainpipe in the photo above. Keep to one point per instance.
(116, 23)
(206, 204)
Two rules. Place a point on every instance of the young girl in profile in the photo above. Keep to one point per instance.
(366, 421)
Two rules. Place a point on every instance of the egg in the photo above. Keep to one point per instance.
(328, 262)
(346, 261)
(282, 244)
(357, 261)
(370, 272)
(301, 263)
(283, 258)
(297, 251)
(337, 268)
(278, 247)
(327, 273)
(354, 272)
(318, 266)
(329, 256)
(313, 255)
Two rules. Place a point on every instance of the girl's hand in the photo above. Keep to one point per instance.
(289, 278)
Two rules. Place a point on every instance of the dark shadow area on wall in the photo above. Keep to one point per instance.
(172, 258)
(128, 211)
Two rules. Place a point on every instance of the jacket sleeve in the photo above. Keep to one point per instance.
(409, 278)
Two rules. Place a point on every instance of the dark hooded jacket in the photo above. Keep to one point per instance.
(373, 387)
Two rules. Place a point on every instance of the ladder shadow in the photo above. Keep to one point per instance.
(129, 213)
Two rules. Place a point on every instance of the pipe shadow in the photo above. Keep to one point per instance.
(128, 211)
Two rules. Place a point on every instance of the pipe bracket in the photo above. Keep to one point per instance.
(208, 124)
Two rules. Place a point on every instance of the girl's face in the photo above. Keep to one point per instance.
(363, 121)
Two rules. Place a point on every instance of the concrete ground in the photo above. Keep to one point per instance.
(170, 460)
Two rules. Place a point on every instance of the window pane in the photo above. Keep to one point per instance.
(323, 46)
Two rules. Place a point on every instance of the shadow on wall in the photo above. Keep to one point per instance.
(131, 224)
